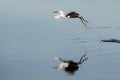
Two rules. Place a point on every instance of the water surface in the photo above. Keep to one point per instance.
(30, 38)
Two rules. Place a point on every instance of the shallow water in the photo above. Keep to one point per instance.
(30, 39)
(28, 50)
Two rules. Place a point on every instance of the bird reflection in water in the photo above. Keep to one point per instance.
(70, 66)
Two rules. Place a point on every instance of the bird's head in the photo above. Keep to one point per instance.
(59, 11)
(57, 59)
(56, 12)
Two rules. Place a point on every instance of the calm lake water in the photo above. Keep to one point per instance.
(30, 39)
(28, 49)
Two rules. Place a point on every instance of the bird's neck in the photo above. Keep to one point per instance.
(62, 15)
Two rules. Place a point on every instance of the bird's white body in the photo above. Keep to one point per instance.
(60, 15)
(63, 65)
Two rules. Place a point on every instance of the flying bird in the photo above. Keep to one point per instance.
(72, 14)
(70, 66)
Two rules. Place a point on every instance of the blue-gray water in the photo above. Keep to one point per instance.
(30, 38)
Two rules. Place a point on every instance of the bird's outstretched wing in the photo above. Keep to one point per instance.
(72, 14)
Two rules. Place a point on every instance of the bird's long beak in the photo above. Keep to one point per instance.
(55, 67)
(55, 12)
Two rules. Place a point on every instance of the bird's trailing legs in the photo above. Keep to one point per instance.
(83, 21)
(83, 58)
